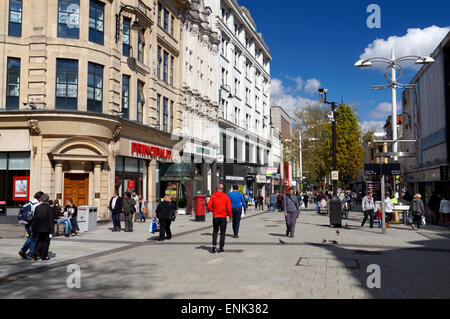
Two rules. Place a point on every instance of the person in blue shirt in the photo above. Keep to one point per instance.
(237, 203)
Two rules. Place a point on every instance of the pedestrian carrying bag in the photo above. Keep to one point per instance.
(25, 214)
(154, 226)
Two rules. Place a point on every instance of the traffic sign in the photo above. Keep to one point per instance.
(334, 175)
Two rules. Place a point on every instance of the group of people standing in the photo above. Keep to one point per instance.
(129, 206)
(39, 228)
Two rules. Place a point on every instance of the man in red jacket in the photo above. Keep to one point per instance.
(220, 206)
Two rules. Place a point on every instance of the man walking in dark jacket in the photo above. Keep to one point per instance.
(129, 210)
(115, 206)
(43, 227)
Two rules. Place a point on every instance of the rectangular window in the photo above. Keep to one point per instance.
(166, 57)
(13, 84)
(126, 36)
(126, 96)
(141, 47)
(159, 63)
(172, 26)
(95, 88)
(96, 21)
(247, 152)
(235, 150)
(140, 102)
(224, 146)
(171, 70)
(171, 116)
(15, 18)
(69, 19)
(159, 13)
(158, 110)
(166, 20)
(165, 114)
(66, 84)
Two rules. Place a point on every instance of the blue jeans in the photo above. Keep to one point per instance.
(237, 214)
(141, 215)
(67, 224)
(273, 207)
(30, 243)
(318, 207)
(74, 223)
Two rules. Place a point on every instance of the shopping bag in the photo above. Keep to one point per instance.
(154, 226)
(409, 220)
(424, 221)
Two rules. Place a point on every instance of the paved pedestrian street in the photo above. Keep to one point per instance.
(262, 263)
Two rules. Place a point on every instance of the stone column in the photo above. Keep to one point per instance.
(58, 181)
(97, 179)
(151, 187)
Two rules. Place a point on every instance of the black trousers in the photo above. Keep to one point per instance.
(42, 245)
(367, 214)
(306, 204)
(165, 229)
(219, 223)
(417, 219)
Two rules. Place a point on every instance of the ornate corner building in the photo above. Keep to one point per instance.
(98, 96)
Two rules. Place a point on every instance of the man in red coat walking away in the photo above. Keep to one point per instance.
(220, 206)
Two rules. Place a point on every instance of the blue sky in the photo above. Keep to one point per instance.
(316, 43)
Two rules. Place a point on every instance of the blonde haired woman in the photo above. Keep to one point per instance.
(165, 212)
(417, 210)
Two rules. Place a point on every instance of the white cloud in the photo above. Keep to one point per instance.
(415, 42)
(298, 81)
(383, 110)
(312, 85)
(281, 96)
(377, 126)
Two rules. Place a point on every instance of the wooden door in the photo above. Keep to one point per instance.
(76, 186)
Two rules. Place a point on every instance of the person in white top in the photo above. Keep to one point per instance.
(389, 208)
(368, 206)
(136, 199)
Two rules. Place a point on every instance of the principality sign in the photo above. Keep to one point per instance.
(151, 151)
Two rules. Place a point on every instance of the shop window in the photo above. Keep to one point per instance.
(12, 165)
(126, 37)
(66, 84)
(13, 84)
(69, 19)
(95, 88)
(130, 175)
(131, 165)
(15, 18)
(96, 21)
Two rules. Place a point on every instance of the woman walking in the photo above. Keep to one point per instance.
(165, 212)
(417, 210)
(291, 212)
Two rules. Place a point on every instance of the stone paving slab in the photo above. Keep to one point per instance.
(258, 265)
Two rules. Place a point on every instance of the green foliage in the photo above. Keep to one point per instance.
(316, 130)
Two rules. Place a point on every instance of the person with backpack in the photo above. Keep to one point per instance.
(25, 218)
(165, 212)
(43, 227)
(291, 212)
(129, 209)
(417, 210)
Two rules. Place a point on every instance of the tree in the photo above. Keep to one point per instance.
(316, 129)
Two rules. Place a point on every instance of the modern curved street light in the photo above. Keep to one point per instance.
(394, 66)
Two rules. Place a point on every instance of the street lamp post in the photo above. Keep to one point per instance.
(393, 83)
(335, 202)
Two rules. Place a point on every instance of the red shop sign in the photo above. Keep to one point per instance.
(153, 151)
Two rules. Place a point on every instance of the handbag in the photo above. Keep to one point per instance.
(173, 215)
(424, 221)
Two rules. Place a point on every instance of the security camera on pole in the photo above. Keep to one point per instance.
(335, 202)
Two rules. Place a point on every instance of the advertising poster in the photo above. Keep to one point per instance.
(21, 187)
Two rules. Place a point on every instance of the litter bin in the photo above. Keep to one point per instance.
(200, 208)
(336, 212)
(87, 218)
